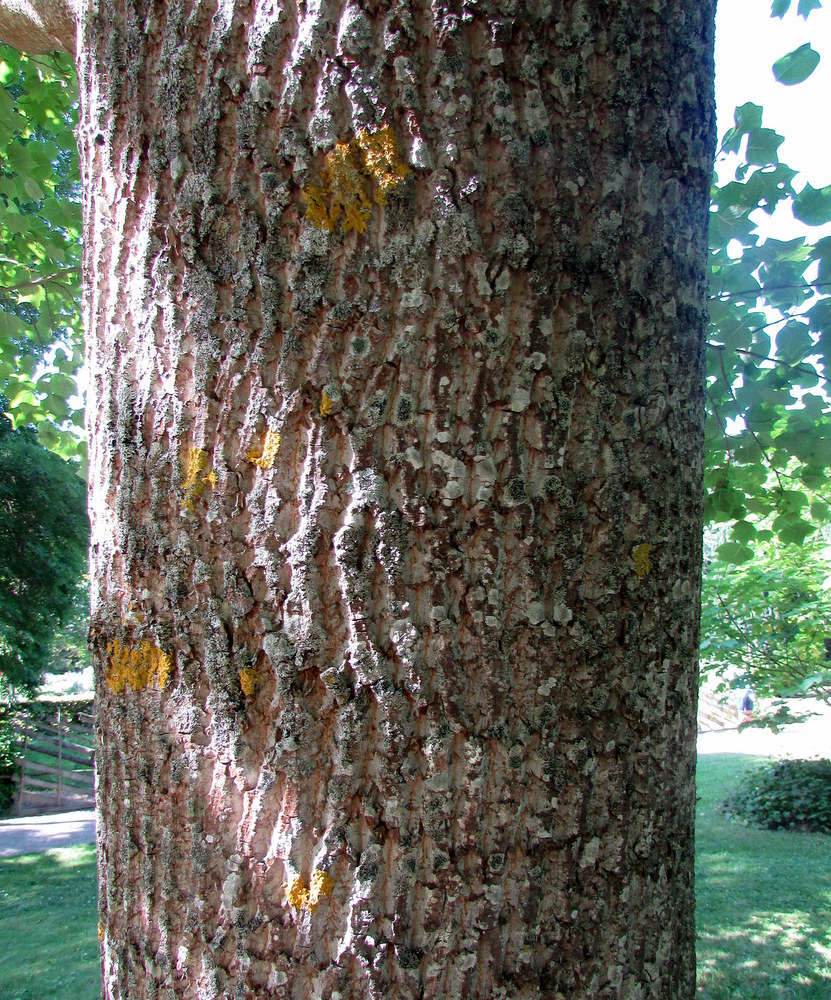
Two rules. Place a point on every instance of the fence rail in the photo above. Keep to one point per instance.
(57, 768)
(713, 714)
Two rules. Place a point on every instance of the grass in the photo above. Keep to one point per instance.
(48, 926)
(763, 910)
(763, 900)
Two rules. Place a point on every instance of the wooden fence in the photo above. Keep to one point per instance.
(57, 765)
(714, 715)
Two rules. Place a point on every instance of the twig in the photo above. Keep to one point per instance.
(44, 280)
(763, 290)
(798, 366)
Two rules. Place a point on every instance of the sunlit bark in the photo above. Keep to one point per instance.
(395, 320)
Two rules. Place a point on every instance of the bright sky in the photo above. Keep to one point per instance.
(748, 43)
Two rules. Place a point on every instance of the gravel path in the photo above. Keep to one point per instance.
(31, 834)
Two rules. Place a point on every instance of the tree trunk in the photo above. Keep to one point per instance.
(395, 317)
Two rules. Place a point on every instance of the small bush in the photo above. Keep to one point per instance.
(786, 794)
(9, 750)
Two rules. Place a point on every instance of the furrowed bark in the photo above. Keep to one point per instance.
(395, 318)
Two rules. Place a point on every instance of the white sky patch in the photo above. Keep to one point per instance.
(748, 43)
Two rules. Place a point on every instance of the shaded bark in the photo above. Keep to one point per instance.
(395, 319)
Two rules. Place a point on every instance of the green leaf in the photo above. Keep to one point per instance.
(796, 66)
(762, 146)
(806, 6)
(813, 205)
(792, 530)
(822, 253)
(47, 435)
(819, 511)
(746, 117)
(32, 188)
(780, 8)
(734, 553)
(819, 317)
(793, 341)
(743, 532)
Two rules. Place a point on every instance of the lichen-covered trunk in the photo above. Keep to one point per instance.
(395, 319)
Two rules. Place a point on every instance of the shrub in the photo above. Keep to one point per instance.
(9, 750)
(785, 794)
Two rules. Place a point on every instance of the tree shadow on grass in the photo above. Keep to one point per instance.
(48, 921)
(763, 901)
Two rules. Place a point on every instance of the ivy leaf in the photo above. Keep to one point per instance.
(780, 8)
(796, 66)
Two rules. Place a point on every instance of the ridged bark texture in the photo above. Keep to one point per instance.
(395, 317)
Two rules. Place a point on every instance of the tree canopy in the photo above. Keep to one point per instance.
(41, 344)
(44, 535)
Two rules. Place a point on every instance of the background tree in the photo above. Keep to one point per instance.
(767, 622)
(765, 607)
(44, 534)
(41, 347)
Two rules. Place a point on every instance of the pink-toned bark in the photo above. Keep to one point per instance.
(395, 319)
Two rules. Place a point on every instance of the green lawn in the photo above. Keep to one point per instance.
(763, 901)
(764, 911)
(48, 921)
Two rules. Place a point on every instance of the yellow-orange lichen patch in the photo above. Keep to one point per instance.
(321, 885)
(381, 161)
(265, 458)
(136, 666)
(326, 404)
(348, 188)
(317, 210)
(194, 483)
(248, 678)
(368, 164)
(640, 556)
(297, 894)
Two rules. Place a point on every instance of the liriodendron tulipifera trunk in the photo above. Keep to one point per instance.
(394, 317)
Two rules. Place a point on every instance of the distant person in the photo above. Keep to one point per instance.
(746, 706)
